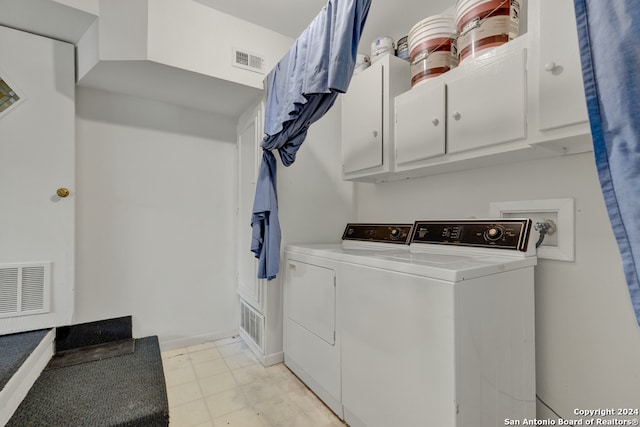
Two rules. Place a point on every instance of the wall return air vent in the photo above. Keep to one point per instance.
(252, 325)
(24, 289)
(248, 61)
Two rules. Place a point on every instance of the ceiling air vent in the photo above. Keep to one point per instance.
(248, 61)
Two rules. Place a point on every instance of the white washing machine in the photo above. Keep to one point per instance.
(312, 276)
(442, 335)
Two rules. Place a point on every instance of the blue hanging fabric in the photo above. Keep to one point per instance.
(609, 35)
(301, 88)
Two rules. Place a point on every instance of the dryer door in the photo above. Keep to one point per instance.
(311, 299)
(311, 348)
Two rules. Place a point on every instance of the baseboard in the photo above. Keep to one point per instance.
(352, 420)
(19, 385)
(272, 359)
(195, 340)
(265, 359)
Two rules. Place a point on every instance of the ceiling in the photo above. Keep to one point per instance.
(44, 17)
(290, 17)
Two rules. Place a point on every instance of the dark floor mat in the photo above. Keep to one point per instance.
(119, 391)
(14, 350)
(91, 353)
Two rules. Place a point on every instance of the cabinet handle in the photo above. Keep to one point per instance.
(375, 133)
(550, 66)
(435, 122)
(456, 115)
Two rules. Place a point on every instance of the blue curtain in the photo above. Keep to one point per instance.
(301, 88)
(609, 35)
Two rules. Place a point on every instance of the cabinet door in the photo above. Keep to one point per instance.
(249, 287)
(420, 124)
(488, 106)
(561, 89)
(362, 121)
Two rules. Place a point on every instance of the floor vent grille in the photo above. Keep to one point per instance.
(24, 289)
(252, 323)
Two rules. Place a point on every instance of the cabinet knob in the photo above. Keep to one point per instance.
(375, 133)
(550, 66)
(435, 122)
(457, 115)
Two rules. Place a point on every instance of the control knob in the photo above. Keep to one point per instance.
(493, 233)
(395, 233)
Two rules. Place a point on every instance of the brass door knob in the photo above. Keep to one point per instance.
(62, 192)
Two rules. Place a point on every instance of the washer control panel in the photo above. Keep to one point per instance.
(499, 233)
(385, 233)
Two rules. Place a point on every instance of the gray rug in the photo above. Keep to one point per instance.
(14, 350)
(126, 390)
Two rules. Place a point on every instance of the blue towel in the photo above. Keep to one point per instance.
(301, 88)
(609, 34)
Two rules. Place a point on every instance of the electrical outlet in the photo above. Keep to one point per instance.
(558, 245)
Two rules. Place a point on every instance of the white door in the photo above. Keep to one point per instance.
(250, 133)
(37, 141)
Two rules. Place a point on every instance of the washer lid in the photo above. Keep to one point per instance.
(347, 251)
(452, 265)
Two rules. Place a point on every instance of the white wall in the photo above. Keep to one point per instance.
(314, 203)
(155, 214)
(587, 339)
(207, 37)
(89, 6)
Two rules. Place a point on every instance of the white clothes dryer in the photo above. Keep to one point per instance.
(311, 334)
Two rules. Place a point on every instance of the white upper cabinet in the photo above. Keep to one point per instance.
(362, 121)
(420, 123)
(367, 119)
(557, 110)
(561, 89)
(486, 105)
(518, 101)
(470, 116)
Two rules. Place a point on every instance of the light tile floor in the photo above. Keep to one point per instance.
(221, 383)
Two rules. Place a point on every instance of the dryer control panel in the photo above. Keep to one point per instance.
(384, 233)
(501, 233)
